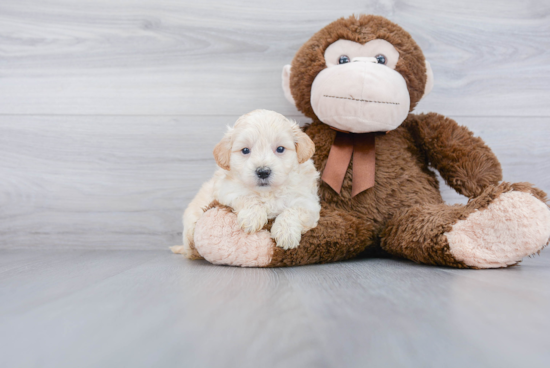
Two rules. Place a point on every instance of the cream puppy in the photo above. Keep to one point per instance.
(264, 172)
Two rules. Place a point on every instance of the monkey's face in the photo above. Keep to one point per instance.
(361, 74)
(360, 91)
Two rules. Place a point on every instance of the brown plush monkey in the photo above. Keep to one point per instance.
(358, 79)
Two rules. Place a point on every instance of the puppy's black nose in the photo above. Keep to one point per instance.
(263, 172)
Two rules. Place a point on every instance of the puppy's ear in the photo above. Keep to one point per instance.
(305, 148)
(222, 152)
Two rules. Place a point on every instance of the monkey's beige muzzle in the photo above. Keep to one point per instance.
(360, 97)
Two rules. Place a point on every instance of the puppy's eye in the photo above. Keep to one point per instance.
(381, 59)
(343, 59)
(280, 149)
(245, 151)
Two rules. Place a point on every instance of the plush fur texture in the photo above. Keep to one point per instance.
(514, 226)
(310, 60)
(288, 192)
(425, 240)
(403, 214)
(220, 240)
(341, 92)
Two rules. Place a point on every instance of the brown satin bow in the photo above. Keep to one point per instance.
(361, 147)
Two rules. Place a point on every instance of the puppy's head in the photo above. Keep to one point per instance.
(262, 149)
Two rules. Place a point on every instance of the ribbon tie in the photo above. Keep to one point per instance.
(361, 147)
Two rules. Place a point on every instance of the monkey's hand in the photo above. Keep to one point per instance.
(465, 162)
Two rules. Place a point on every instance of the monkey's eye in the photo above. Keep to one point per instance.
(343, 59)
(280, 149)
(245, 151)
(381, 59)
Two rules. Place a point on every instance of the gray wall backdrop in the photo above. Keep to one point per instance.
(109, 109)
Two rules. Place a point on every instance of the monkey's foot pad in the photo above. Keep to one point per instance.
(220, 240)
(514, 226)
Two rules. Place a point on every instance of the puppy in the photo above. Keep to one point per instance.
(264, 172)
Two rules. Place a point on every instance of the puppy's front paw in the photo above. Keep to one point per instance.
(252, 219)
(286, 235)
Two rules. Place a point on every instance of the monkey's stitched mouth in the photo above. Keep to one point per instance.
(360, 100)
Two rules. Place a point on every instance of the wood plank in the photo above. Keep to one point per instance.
(104, 177)
(152, 308)
(421, 316)
(194, 58)
(123, 182)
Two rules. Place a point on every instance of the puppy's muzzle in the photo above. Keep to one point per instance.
(263, 172)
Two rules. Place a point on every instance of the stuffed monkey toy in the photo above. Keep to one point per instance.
(359, 79)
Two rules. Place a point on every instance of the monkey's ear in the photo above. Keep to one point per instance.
(286, 85)
(305, 148)
(429, 80)
(222, 152)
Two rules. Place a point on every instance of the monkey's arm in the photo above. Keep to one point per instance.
(465, 162)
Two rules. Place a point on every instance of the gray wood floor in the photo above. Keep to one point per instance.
(149, 308)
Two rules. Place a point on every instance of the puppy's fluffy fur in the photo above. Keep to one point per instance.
(245, 156)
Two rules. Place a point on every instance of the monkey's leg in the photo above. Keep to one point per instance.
(339, 235)
(497, 229)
